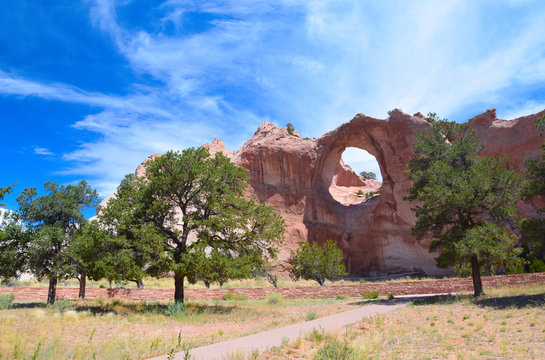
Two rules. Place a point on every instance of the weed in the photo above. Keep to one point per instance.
(338, 351)
(311, 315)
(341, 296)
(61, 305)
(6, 301)
(372, 295)
(316, 335)
(175, 310)
(100, 302)
(170, 354)
(275, 299)
(235, 297)
(390, 296)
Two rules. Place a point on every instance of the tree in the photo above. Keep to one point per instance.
(290, 128)
(4, 191)
(533, 229)
(319, 263)
(366, 175)
(464, 201)
(50, 221)
(192, 205)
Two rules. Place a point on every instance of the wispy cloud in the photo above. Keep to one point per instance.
(313, 63)
(43, 151)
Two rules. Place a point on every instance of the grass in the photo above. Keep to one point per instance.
(117, 329)
(504, 324)
(168, 283)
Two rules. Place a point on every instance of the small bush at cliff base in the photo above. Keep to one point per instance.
(235, 297)
(317, 262)
(6, 301)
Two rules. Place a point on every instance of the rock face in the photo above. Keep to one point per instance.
(317, 195)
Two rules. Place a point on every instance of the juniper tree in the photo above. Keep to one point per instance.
(466, 202)
(194, 205)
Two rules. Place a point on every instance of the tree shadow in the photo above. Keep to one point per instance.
(518, 301)
(497, 302)
(28, 305)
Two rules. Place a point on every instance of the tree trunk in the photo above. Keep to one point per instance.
(139, 284)
(82, 283)
(52, 293)
(476, 275)
(178, 288)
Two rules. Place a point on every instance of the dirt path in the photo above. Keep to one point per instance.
(272, 338)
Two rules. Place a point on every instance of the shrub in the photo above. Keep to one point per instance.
(6, 301)
(390, 296)
(372, 295)
(235, 297)
(175, 309)
(537, 266)
(290, 128)
(334, 349)
(61, 305)
(275, 299)
(341, 296)
(317, 262)
(311, 315)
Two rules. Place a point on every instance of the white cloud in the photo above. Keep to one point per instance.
(313, 63)
(43, 151)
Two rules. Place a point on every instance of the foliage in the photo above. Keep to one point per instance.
(464, 201)
(4, 191)
(235, 297)
(6, 301)
(372, 295)
(190, 211)
(290, 128)
(337, 350)
(319, 263)
(533, 229)
(39, 235)
(368, 175)
(274, 299)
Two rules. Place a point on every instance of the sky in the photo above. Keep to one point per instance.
(90, 88)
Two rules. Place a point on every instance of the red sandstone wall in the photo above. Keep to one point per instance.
(384, 288)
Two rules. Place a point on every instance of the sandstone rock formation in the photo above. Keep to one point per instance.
(306, 182)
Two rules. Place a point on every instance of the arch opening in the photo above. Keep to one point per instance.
(357, 178)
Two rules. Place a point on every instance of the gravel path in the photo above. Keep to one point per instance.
(268, 339)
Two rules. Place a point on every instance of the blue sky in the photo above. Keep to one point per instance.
(88, 89)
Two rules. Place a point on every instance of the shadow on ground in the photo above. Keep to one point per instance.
(122, 308)
(500, 302)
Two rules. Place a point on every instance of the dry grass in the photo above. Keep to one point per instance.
(131, 330)
(505, 324)
(168, 283)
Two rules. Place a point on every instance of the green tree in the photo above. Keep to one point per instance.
(51, 220)
(533, 229)
(4, 191)
(319, 263)
(366, 175)
(290, 128)
(464, 201)
(193, 206)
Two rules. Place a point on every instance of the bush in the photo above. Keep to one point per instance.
(275, 299)
(6, 301)
(311, 315)
(61, 305)
(334, 349)
(175, 310)
(390, 296)
(235, 297)
(372, 295)
(537, 266)
(341, 296)
(318, 263)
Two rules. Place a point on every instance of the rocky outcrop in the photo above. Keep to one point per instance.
(306, 182)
